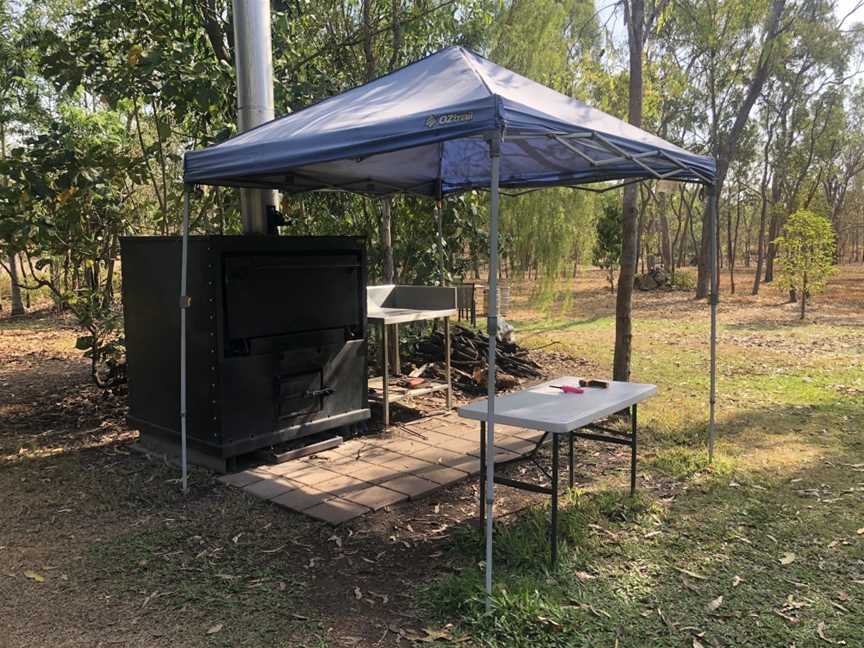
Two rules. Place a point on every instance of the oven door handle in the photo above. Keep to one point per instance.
(320, 393)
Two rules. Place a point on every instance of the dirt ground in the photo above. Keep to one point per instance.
(99, 548)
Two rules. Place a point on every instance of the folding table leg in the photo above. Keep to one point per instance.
(633, 451)
(554, 530)
(385, 376)
(447, 369)
(483, 473)
(572, 463)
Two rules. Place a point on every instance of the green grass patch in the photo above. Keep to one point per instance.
(644, 575)
(684, 463)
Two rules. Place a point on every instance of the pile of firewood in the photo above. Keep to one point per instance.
(468, 359)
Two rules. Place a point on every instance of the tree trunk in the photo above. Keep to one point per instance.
(386, 240)
(732, 238)
(804, 296)
(108, 294)
(16, 305)
(760, 250)
(665, 243)
(728, 148)
(773, 232)
(623, 304)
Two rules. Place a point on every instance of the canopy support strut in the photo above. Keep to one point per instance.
(184, 304)
(715, 289)
(492, 330)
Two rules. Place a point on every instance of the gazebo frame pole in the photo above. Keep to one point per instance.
(184, 305)
(715, 289)
(492, 330)
(440, 225)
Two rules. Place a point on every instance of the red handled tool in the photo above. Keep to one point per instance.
(569, 389)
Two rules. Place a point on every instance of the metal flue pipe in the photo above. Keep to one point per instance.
(253, 60)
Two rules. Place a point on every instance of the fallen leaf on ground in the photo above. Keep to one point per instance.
(860, 531)
(697, 643)
(428, 635)
(691, 574)
(736, 581)
(358, 594)
(584, 576)
(787, 558)
(792, 604)
(214, 629)
(820, 630)
(39, 578)
(551, 623)
(713, 605)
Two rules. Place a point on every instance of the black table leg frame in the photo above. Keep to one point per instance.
(556, 442)
(622, 439)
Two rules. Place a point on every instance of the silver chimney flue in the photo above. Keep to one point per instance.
(253, 58)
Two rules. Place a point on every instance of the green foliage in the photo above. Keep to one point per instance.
(684, 463)
(683, 280)
(63, 202)
(526, 606)
(806, 254)
(607, 246)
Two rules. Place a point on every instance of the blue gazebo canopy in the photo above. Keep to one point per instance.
(423, 129)
(451, 122)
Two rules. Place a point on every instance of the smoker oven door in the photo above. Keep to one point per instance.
(280, 296)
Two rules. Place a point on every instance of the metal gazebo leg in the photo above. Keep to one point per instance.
(572, 461)
(714, 297)
(492, 320)
(482, 473)
(633, 451)
(385, 377)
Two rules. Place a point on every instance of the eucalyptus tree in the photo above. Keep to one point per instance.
(731, 49)
(806, 98)
(641, 19)
(844, 163)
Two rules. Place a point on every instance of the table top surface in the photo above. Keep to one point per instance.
(548, 409)
(399, 315)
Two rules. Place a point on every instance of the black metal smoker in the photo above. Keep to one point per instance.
(276, 346)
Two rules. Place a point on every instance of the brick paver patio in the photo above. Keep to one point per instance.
(369, 473)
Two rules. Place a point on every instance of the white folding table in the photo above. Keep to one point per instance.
(554, 412)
